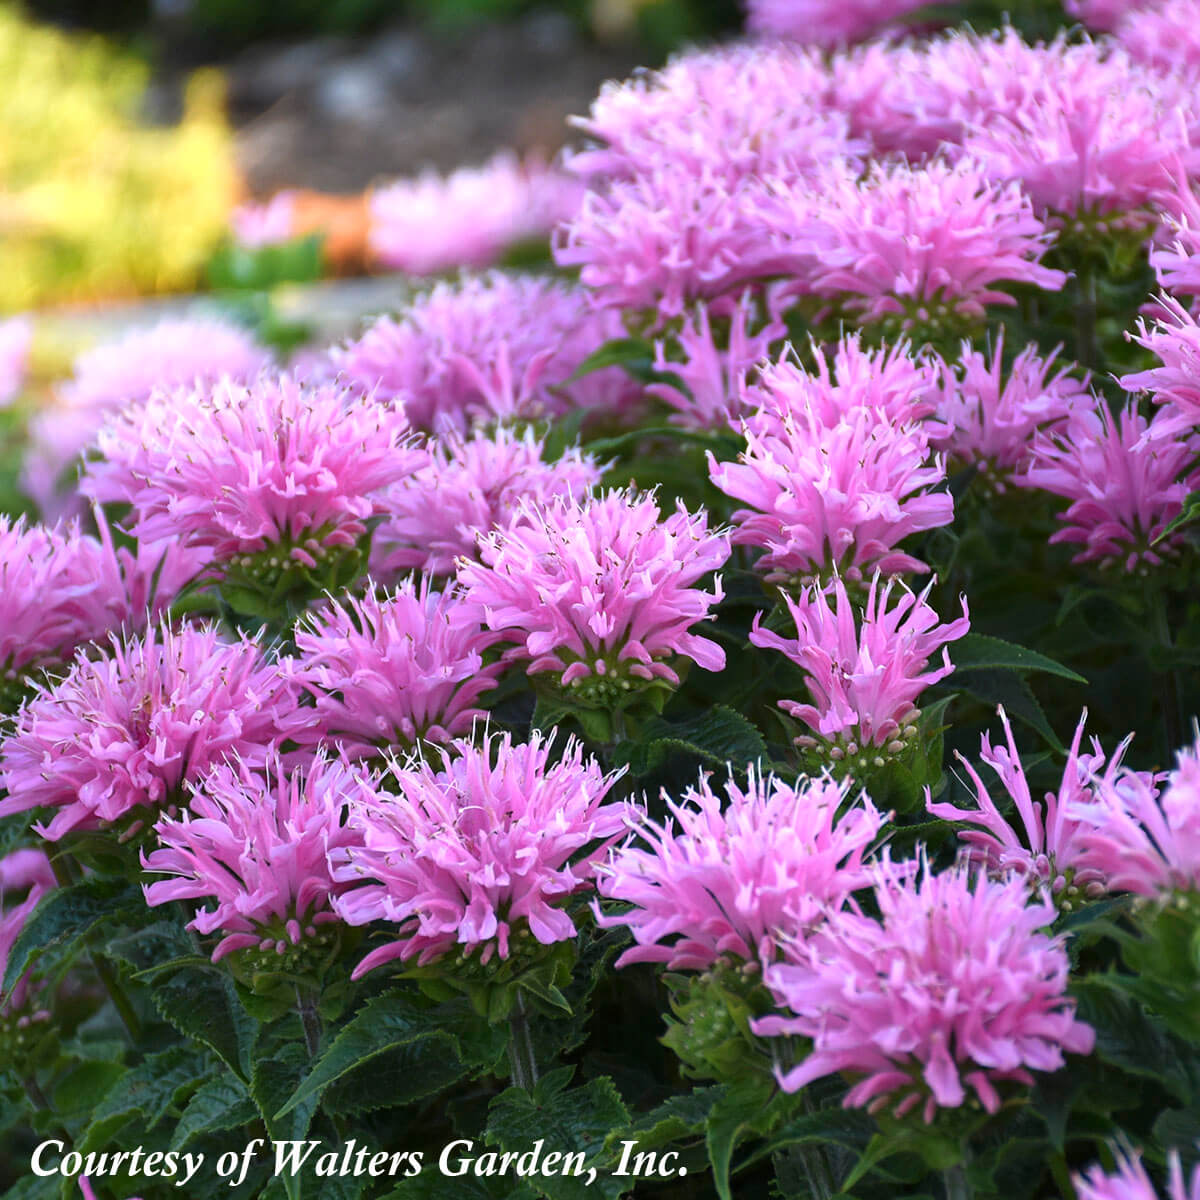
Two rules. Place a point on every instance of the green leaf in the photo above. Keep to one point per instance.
(745, 1108)
(1013, 693)
(34, 1187)
(201, 1002)
(151, 946)
(569, 1120)
(1188, 515)
(275, 1079)
(719, 736)
(431, 1184)
(628, 352)
(400, 1075)
(65, 917)
(845, 1127)
(82, 1088)
(219, 1104)
(678, 1117)
(980, 652)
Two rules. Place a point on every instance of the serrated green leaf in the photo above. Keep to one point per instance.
(82, 1088)
(432, 1184)
(401, 1075)
(719, 736)
(66, 916)
(218, 1104)
(1189, 514)
(980, 652)
(678, 1117)
(743, 1109)
(1013, 693)
(201, 1002)
(150, 946)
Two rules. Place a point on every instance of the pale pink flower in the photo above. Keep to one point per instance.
(737, 877)
(267, 224)
(1046, 846)
(1141, 837)
(600, 592)
(25, 877)
(954, 986)
(469, 486)
(16, 334)
(865, 672)
(992, 417)
(1176, 256)
(826, 22)
(490, 348)
(1121, 474)
(435, 223)
(712, 369)
(124, 733)
(174, 353)
(1130, 1181)
(478, 850)
(391, 670)
(273, 466)
(1103, 15)
(920, 247)
(1174, 339)
(256, 842)
(1163, 35)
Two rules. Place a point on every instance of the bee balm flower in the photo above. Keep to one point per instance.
(1130, 1182)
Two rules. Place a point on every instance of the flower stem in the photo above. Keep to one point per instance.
(1087, 352)
(306, 1006)
(520, 1047)
(957, 1185)
(1172, 711)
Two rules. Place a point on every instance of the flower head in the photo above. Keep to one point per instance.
(390, 671)
(826, 22)
(127, 732)
(477, 852)
(176, 353)
(1176, 260)
(1162, 35)
(257, 843)
(1121, 474)
(954, 985)
(468, 486)
(864, 673)
(490, 348)
(258, 225)
(1047, 847)
(1103, 15)
(469, 218)
(990, 421)
(740, 876)
(1175, 339)
(1130, 1181)
(15, 336)
(25, 877)
(273, 478)
(599, 592)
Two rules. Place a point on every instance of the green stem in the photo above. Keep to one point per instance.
(957, 1185)
(310, 1018)
(520, 1047)
(1086, 350)
(1171, 699)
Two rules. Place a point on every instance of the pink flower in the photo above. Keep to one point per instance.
(258, 225)
(1176, 260)
(954, 985)
(257, 845)
(15, 337)
(990, 421)
(922, 247)
(493, 348)
(1130, 1181)
(834, 483)
(435, 223)
(713, 369)
(826, 22)
(175, 353)
(468, 486)
(1174, 339)
(390, 671)
(599, 592)
(730, 110)
(478, 854)
(1121, 475)
(1162, 34)
(738, 877)
(1047, 847)
(864, 673)
(1141, 838)
(1103, 15)
(24, 871)
(128, 731)
(273, 467)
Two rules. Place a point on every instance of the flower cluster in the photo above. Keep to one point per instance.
(257, 225)
(1174, 339)
(1130, 1182)
(827, 22)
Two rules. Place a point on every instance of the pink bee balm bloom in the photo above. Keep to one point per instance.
(739, 876)
(1047, 846)
(15, 337)
(864, 672)
(175, 353)
(1174, 339)
(478, 851)
(953, 986)
(1162, 35)
(991, 421)
(257, 844)
(390, 671)
(1142, 838)
(826, 22)
(469, 218)
(1121, 474)
(1176, 260)
(490, 348)
(920, 247)
(713, 369)
(471, 485)
(599, 592)
(268, 224)
(128, 731)
(1130, 1181)
(273, 466)
(25, 877)
(1103, 15)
